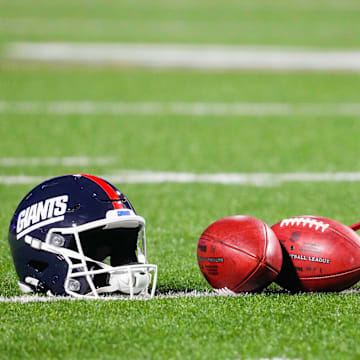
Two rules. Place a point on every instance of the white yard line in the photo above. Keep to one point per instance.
(177, 108)
(55, 161)
(170, 295)
(151, 177)
(187, 56)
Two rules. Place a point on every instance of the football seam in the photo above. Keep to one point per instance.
(266, 243)
(260, 263)
(330, 276)
(250, 275)
(344, 236)
(271, 268)
(232, 247)
(254, 271)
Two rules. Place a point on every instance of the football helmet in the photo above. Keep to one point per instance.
(78, 235)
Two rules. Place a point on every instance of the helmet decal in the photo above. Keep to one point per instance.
(111, 193)
(41, 213)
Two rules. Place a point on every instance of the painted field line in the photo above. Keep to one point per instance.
(170, 295)
(55, 161)
(23, 299)
(254, 179)
(177, 108)
(187, 56)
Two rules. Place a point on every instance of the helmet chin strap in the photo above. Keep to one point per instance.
(131, 283)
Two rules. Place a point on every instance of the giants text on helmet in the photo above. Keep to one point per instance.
(42, 211)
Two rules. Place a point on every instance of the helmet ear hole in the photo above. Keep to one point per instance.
(38, 266)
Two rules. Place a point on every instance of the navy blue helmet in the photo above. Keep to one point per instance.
(78, 235)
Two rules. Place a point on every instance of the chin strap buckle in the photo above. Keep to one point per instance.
(130, 283)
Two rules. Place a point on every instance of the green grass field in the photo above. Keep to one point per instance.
(324, 23)
(270, 325)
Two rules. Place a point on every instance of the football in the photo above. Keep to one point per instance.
(319, 254)
(240, 253)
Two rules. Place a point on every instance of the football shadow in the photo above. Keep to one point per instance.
(288, 277)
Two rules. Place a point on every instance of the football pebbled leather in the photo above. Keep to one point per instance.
(240, 253)
(319, 254)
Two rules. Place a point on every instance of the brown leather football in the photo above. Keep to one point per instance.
(319, 254)
(240, 253)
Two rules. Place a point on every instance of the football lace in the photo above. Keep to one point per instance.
(319, 225)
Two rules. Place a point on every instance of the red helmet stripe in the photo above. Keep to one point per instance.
(110, 192)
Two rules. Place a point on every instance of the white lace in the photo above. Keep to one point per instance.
(305, 221)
